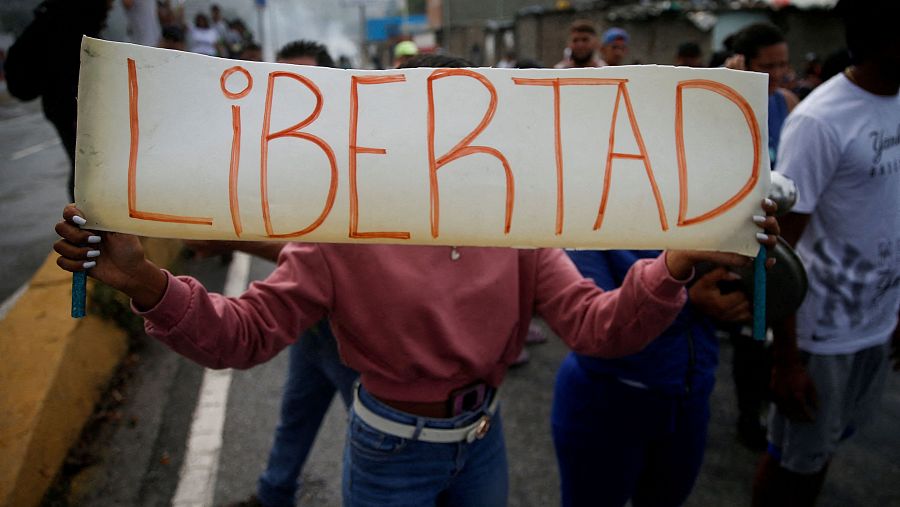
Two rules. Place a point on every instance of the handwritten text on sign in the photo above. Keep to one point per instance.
(180, 145)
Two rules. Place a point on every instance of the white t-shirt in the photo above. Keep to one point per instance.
(204, 40)
(842, 148)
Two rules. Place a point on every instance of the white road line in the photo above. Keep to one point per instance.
(11, 300)
(25, 118)
(31, 150)
(197, 479)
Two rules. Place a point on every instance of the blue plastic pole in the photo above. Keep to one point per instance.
(759, 295)
(79, 294)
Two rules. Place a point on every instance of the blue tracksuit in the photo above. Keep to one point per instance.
(634, 427)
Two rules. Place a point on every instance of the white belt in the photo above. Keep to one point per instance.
(475, 431)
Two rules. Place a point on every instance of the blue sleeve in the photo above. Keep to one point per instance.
(596, 265)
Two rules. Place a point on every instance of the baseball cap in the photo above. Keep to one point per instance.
(406, 48)
(613, 34)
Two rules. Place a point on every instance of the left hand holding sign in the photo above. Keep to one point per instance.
(124, 266)
(681, 262)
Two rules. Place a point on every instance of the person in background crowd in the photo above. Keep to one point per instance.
(44, 61)
(251, 52)
(217, 22)
(614, 46)
(143, 22)
(842, 148)
(812, 76)
(403, 51)
(508, 61)
(173, 38)
(689, 55)
(759, 47)
(634, 428)
(236, 38)
(203, 38)
(171, 19)
(315, 372)
(581, 50)
(722, 55)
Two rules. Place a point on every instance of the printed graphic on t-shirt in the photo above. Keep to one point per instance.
(886, 149)
(888, 267)
(851, 283)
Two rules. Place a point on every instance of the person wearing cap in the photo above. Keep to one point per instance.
(614, 46)
(403, 51)
(581, 50)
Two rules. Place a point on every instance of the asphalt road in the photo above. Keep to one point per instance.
(866, 472)
(33, 171)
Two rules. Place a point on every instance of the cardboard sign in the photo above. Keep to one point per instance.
(174, 144)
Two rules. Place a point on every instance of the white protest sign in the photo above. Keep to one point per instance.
(174, 144)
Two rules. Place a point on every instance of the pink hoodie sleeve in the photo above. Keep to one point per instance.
(612, 323)
(220, 332)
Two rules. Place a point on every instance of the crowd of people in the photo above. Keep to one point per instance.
(158, 23)
(632, 400)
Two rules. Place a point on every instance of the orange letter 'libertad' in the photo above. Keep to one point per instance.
(745, 108)
(293, 131)
(556, 83)
(462, 148)
(234, 166)
(133, 212)
(355, 150)
(622, 93)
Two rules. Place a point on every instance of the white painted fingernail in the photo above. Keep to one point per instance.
(89, 264)
(762, 236)
(769, 202)
(93, 253)
(78, 220)
(93, 239)
(759, 219)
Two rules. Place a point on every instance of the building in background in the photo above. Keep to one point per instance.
(485, 31)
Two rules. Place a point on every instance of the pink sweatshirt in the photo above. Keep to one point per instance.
(415, 323)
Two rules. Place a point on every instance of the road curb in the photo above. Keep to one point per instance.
(53, 371)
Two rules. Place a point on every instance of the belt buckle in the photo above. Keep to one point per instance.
(480, 430)
(471, 397)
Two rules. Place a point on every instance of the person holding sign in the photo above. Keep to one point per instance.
(581, 50)
(431, 329)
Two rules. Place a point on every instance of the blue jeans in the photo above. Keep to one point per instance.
(616, 442)
(315, 372)
(381, 469)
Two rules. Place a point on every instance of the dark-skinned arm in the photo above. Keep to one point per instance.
(792, 388)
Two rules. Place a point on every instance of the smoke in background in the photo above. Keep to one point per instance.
(287, 20)
(329, 22)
